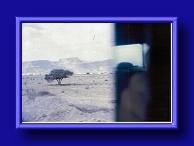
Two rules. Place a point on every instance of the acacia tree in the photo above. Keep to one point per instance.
(58, 74)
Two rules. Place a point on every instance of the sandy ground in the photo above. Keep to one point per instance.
(80, 98)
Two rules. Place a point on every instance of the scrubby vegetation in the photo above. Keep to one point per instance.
(58, 74)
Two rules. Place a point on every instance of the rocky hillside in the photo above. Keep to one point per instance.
(73, 64)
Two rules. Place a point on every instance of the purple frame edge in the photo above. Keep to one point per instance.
(18, 114)
(99, 19)
(174, 73)
(116, 125)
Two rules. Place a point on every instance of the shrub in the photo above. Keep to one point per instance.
(58, 74)
(45, 93)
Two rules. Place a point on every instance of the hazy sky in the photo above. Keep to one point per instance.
(54, 41)
(87, 41)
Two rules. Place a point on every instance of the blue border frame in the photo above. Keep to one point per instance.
(117, 125)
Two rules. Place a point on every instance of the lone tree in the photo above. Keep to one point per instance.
(58, 74)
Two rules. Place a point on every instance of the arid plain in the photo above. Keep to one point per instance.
(79, 98)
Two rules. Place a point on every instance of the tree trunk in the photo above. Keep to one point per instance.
(59, 81)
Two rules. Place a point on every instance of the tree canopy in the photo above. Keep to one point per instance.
(58, 74)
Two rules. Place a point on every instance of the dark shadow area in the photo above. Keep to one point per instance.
(160, 74)
(109, 134)
(158, 37)
(182, 79)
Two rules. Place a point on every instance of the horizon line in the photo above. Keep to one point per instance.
(69, 58)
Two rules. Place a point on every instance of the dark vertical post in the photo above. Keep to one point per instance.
(143, 56)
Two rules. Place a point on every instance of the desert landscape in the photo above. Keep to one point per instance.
(79, 98)
(85, 49)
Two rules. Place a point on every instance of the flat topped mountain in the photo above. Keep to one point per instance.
(74, 60)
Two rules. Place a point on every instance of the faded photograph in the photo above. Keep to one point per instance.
(96, 72)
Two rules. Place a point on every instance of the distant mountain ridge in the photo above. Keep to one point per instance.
(73, 64)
